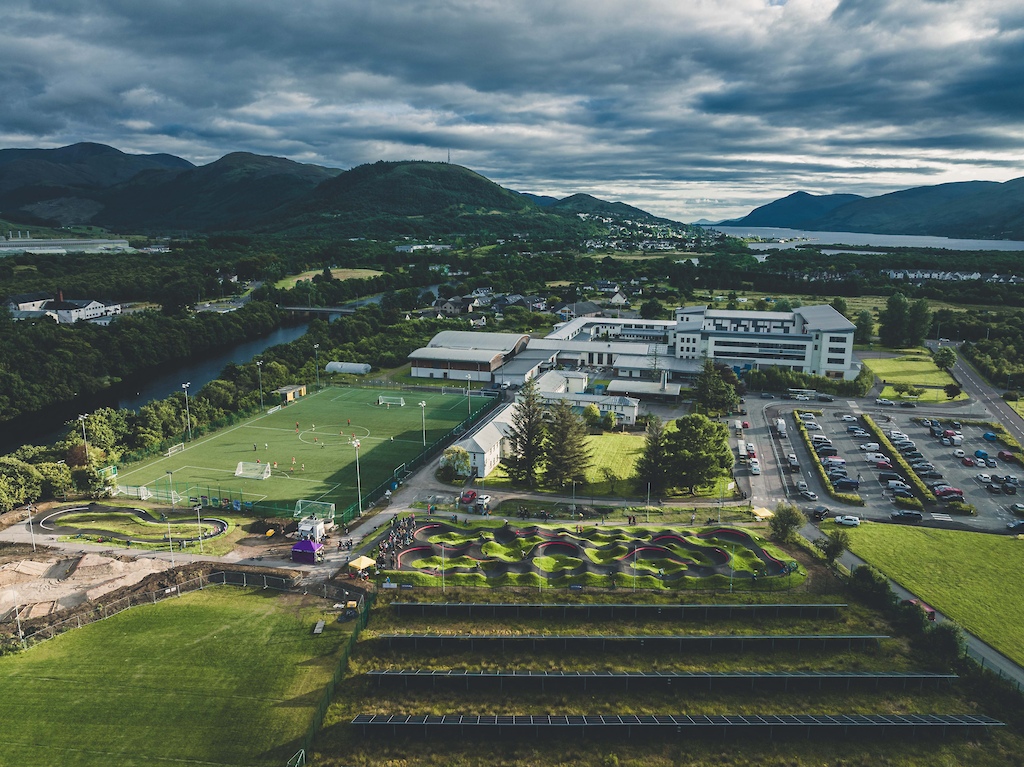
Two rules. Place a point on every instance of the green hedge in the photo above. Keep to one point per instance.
(853, 500)
(921, 490)
(959, 507)
(909, 503)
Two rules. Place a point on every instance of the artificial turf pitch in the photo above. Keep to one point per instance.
(218, 676)
(315, 460)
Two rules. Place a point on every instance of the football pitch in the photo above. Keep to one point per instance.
(310, 447)
(221, 676)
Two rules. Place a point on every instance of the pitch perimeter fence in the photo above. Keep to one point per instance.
(234, 500)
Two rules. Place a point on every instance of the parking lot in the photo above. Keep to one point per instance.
(994, 510)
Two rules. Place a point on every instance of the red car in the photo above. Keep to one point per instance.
(967, 461)
(746, 424)
(948, 491)
(468, 497)
(883, 465)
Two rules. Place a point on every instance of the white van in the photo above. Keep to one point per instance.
(876, 457)
(895, 484)
(755, 466)
(820, 439)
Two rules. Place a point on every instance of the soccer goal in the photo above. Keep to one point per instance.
(249, 470)
(175, 449)
(319, 509)
(383, 399)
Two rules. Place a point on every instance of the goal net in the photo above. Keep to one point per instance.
(135, 491)
(175, 449)
(385, 400)
(319, 509)
(249, 470)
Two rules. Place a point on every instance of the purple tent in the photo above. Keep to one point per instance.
(308, 551)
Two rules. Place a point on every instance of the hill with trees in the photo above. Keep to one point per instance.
(970, 209)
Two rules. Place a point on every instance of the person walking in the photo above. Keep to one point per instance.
(254, 447)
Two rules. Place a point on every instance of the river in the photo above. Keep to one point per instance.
(794, 237)
(48, 427)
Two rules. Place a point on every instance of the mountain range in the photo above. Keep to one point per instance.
(969, 209)
(100, 185)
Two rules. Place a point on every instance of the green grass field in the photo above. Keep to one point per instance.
(917, 370)
(220, 676)
(975, 579)
(286, 283)
(314, 461)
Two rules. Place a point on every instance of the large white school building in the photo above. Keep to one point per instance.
(816, 340)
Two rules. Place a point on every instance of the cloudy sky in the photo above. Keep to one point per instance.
(688, 108)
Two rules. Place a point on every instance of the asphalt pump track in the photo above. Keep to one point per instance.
(620, 549)
(51, 524)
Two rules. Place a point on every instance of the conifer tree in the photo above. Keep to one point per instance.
(526, 437)
(566, 450)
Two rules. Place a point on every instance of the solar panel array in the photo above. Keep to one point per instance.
(801, 724)
(666, 642)
(614, 611)
(623, 680)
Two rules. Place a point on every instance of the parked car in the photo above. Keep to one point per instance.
(1016, 526)
(852, 429)
(929, 612)
(959, 454)
(802, 398)
(766, 395)
(1009, 489)
(899, 493)
(469, 496)
(1017, 508)
(908, 404)
(819, 512)
(846, 483)
(746, 424)
(812, 426)
(991, 463)
(852, 521)
(967, 461)
(994, 489)
(980, 454)
(755, 466)
(914, 455)
(870, 447)
(883, 465)
(946, 491)
(1006, 455)
(983, 478)
(876, 457)
(848, 418)
(826, 398)
(801, 486)
(886, 402)
(810, 495)
(886, 476)
(906, 515)
(931, 474)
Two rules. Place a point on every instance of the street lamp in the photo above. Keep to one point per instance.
(199, 524)
(316, 354)
(469, 405)
(359, 483)
(259, 372)
(84, 439)
(423, 419)
(188, 415)
(31, 532)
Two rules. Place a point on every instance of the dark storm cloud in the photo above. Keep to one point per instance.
(693, 109)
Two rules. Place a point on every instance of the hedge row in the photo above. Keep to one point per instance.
(909, 503)
(897, 459)
(853, 500)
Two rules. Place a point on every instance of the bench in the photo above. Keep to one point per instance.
(319, 627)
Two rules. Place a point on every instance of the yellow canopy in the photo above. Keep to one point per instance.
(361, 563)
(762, 513)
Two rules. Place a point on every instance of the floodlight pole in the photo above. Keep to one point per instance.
(648, 503)
(31, 532)
(316, 355)
(359, 484)
(188, 415)
(84, 438)
(732, 565)
(199, 524)
(442, 568)
(423, 419)
(469, 404)
(170, 543)
(259, 372)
